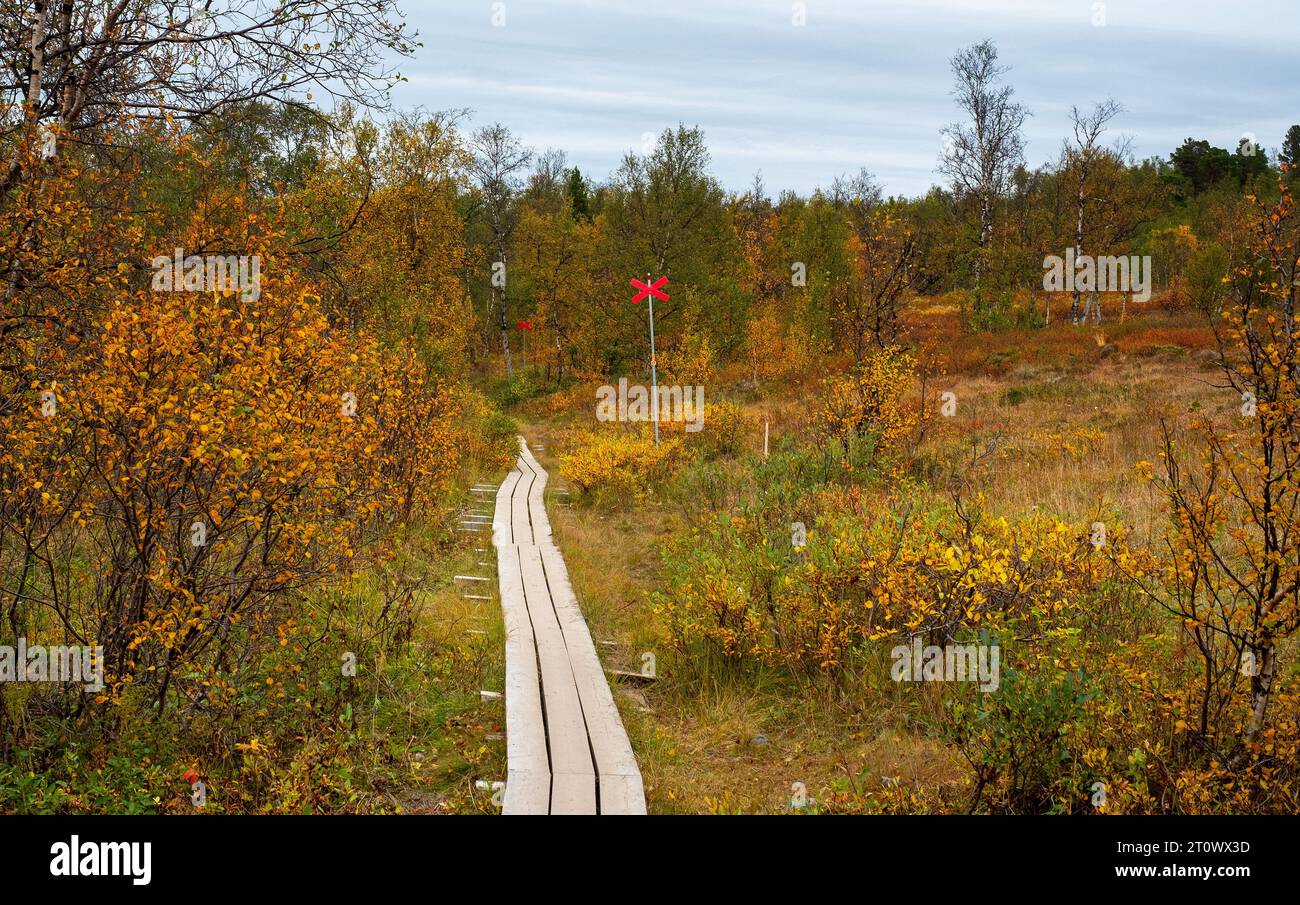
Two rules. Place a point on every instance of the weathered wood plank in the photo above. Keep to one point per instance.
(526, 792)
(537, 497)
(501, 535)
(573, 793)
(566, 728)
(621, 795)
(616, 764)
(520, 521)
(528, 778)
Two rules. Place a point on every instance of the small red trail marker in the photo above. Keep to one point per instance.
(649, 289)
(525, 325)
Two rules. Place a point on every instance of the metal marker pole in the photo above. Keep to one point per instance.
(654, 371)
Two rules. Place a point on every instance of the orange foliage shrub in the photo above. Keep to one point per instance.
(873, 402)
(624, 464)
(207, 456)
(740, 591)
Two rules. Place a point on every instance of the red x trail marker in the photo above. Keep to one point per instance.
(648, 289)
(652, 291)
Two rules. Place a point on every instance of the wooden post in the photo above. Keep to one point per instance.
(654, 369)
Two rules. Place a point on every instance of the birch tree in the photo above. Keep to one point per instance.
(1081, 157)
(500, 161)
(981, 154)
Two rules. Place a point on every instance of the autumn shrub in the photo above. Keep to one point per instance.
(86, 780)
(1231, 576)
(725, 429)
(1098, 721)
(728, 429)
(1265, 779)
(690, 361)
(873, 404)
(877, 569)
(222, 452)
(618, 464)
(202, 466)
(559, 399)
(1171, 249)
(871, 570)
(305, 738)
(765, 350)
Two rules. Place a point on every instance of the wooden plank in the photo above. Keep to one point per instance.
(526, 792)
(501, 535)
(621, 795)
(537, 497)
(573, 793)
(519, 520)
(573, 787)
(615, 762)
(528, 777)
(638, 677)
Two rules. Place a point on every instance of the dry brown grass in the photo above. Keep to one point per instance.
(1068, 444)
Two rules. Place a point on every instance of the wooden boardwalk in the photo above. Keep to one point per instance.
(566, 749)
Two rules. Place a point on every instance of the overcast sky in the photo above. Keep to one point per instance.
(862, 83)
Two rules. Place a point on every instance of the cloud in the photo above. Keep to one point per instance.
(861, 84)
